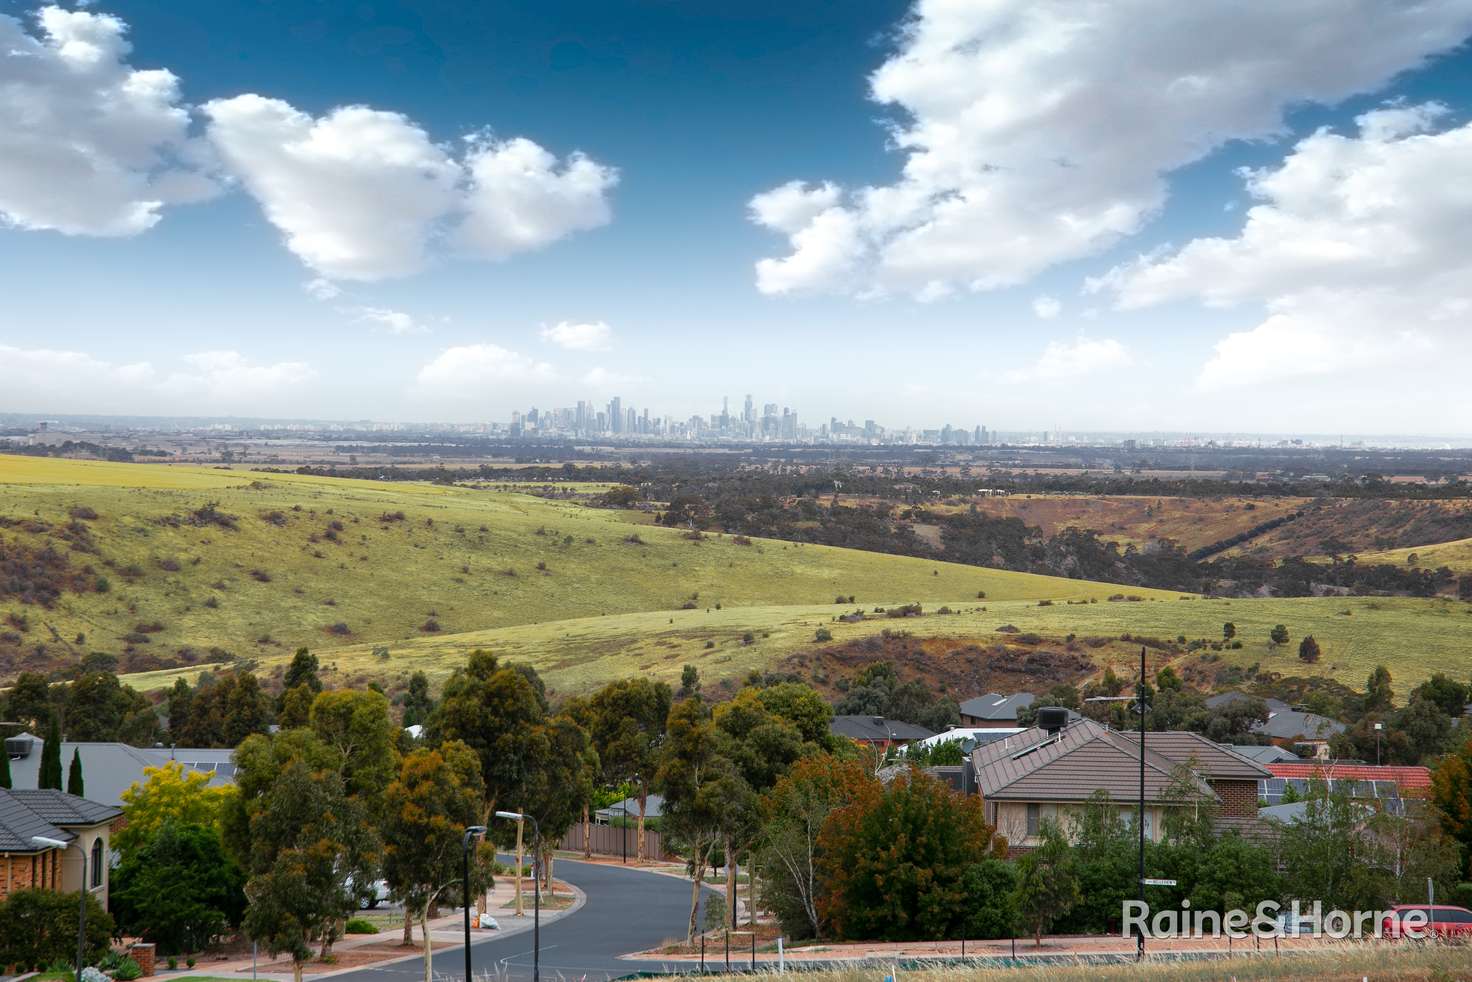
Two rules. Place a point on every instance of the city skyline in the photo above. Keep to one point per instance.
(909, 212)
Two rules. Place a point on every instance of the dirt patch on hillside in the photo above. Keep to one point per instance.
(1344, 526)
(958, 667)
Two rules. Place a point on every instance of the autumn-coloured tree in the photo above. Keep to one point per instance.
(792, 815)
(1451, 792)
(893, 863)
(435, 797)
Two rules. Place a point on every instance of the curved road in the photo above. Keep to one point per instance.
(626, 910)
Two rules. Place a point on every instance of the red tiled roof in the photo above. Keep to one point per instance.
(1406, 778)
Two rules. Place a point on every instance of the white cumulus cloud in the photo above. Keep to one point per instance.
(89, 145)
(1356, 247)
(364, 194)
(1073, 359)
(590, 336)
(390, 321)
(1039, 131)
(468, 366)
(520, 197)
(1046, 308)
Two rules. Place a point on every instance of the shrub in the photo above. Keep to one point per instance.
(823, 635)
(260, 576)
(391, 516)
(634, 539)
(39, 927)
(430, 626)
(127, 970)
(741, 540)
(82, 513)
(212, 602)
(360, 925)
(339, 628)
(748, 638)
(102, 585)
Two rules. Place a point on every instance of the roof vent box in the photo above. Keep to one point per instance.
(18, 748)
(1051, 719)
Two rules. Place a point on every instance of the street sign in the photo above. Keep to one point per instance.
(1158, 883)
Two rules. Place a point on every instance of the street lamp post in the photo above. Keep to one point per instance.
(472, 832)
(42, 840)
(1379, 728)
(1140, 708)
(536, 888)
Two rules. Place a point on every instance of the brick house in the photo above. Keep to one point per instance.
(85, 826)
(1052, 774)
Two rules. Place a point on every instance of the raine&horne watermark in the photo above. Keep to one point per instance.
(1268, 920)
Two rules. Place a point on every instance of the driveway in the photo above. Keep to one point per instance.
(626, 910)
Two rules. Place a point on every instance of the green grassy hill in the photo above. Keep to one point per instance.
(1457, 555)
(287, 560)
(1415, 638)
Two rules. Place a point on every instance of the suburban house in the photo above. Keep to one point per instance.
(1265, 754)
(629, 807)
(1053, 770)
(977, 735)
(993, 709)
(33, 821)
(109, 769)
(876, 731)
(1287, 726)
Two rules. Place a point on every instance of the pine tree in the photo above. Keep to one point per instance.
(49, 775)
(74, 775)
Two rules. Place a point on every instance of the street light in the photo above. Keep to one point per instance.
(42, 840)
(1379, 728)
(1140, 708)
(536, 889)
(471, 833)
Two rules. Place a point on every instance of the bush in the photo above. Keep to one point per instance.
(430, 626)
(260, 575)
(360, 925)
(127, 970)
(39, 927)
(340, 628)
(823, 635)
(179, 889)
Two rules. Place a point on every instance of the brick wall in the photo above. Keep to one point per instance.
(16, 873)
(1239, 798)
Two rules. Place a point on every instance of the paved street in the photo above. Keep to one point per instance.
(627, 910)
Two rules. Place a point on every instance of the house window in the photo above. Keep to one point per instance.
(96, 862)
(1034, 819)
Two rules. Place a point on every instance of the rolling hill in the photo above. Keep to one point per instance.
(171, 566)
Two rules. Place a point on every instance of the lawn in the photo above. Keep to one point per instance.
(327, 562)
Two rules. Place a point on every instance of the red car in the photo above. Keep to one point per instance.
(1442, 919)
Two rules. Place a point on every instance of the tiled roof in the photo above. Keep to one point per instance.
(1072, 764)
(1214, 760)
(1227, 698)
(1290, 724)
(1269, 754)
(1406, 778)
(995, 706)
(60, 808)
(19, 822)
(876, 729)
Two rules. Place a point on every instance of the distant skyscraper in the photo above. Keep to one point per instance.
(616, 414)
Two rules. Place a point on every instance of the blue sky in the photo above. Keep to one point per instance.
(1026, 215)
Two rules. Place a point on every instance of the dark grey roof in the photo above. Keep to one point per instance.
(1074, 763)
(28, 813)
(1289, 814)
(876, 729)
(1290, 724)
(653, 808)
(994, 706)
(109, 769)
(1227, 698)
(1269, 754)
(62, 809)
